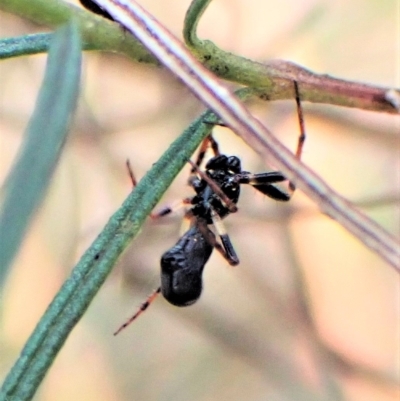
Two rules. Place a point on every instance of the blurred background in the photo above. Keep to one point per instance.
(308, 307)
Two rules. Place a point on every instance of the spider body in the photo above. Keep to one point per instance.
(217, 191)
(182, 268)
(223, 171)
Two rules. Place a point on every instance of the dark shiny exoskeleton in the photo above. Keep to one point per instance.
(223, 170)
(182, 267)
(95, 8)
(217, 193)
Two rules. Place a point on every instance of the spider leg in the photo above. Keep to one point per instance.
(302, 136)
(141, 309)
(208, 141)
(214, 186)
(226, 249)
(167, 209)
(263, 183)
(131, 174)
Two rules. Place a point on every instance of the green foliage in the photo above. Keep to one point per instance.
(43, 142)
(29, 178)
(93, 268)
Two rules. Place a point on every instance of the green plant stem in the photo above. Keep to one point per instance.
(30, 44)
(97, 33)
(275, 78)
(24, 45)
(43, 142)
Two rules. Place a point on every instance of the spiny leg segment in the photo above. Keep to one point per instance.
(302, 136)
(142, 308)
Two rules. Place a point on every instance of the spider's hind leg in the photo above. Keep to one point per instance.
(208, 141)
(165, 210)
(141, 309)
(302, 136)
(263, 182)
(226, 249)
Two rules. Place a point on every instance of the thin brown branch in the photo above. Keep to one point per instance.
(273, 78)
(176, 58)
(276, 77)
(322, 88)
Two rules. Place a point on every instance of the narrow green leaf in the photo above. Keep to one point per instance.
(96, 32)
(31, 44)
(44, 138)
(23, 45)
(89, 274)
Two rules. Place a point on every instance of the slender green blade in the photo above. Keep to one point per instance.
(24, 45)
(44, 139)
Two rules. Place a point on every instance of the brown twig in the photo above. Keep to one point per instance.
(176, 58)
